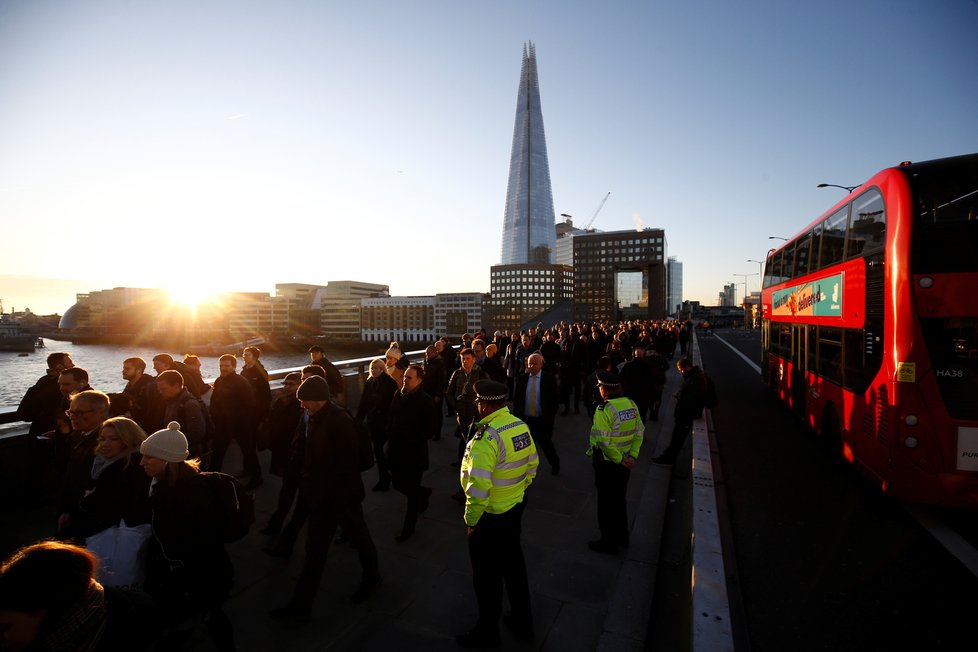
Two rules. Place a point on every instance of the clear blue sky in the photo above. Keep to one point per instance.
(234, 144)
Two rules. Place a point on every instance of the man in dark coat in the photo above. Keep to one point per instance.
(637, 378)
(233, 412)
(413, 420)
(332, 490)
(144, 399)
(689, 407)
(535, 402)
(435, 380)
(39, 406)
(87, 410)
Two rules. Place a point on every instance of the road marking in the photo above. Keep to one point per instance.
(753, 364)
(953, 542)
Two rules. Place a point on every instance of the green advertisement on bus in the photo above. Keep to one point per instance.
(819, 298)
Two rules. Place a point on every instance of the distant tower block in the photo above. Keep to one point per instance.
(528, 222)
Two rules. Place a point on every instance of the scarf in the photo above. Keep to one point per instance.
(80, 628)
(100, 463)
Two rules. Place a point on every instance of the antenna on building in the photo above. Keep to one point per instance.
(600, 206)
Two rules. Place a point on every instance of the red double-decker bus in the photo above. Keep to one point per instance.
(870, 329)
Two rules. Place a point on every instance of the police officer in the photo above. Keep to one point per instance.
(616, 437)
(500, 462)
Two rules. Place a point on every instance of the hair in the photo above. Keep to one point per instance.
(174, 471)
(479, 343)
(382, 362)
(317, 370)
(97, 400)
(604, 362)
(54, 359)
(131, 434)
(163, 357)
(466, 351)
(139, 363)
(684, 363)
(171, 377)
(191, 359)
(418, 369)
(491, 350)
(253, 350)
(228, 356)
(79, 374)
(316, 349)
(46, 576)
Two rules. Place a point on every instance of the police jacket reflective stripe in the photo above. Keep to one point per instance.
(500, 463)
(617, 429)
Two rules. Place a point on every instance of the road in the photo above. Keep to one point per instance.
(821, 561)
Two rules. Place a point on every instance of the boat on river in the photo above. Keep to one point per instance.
(13, 338)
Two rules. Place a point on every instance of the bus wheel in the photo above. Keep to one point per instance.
(831, 432)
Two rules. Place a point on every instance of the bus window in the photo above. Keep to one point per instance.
(833, 238)
(830, 354)
(952, 343)
(802, 254)
(772, 271)
(867, 231)
(789, 261)
(946, 222)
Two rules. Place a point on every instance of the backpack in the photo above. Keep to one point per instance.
(236, 507)
(710, 398)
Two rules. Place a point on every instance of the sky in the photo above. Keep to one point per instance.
(230, 145)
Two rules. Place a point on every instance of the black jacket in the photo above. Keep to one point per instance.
(549, 395)
(413, 421)
(121, 492)
(232, 405)
(40, 404)
(375, 403)
(689, 401)
(331, 461)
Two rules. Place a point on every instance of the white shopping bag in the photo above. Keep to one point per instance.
(122, 551)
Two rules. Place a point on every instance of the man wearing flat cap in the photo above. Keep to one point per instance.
(500, 462)
(616, 437)
(331, 488)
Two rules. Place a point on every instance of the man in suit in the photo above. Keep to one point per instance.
(535, 401)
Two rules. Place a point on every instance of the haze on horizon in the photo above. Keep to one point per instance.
(232, 145)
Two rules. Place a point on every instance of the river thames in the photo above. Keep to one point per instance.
(103, 362)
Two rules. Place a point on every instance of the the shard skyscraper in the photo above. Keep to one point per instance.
(529, 234)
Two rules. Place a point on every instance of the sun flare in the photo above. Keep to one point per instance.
(189, 295)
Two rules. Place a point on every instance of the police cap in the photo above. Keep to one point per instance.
(608, 379)
(491, 391)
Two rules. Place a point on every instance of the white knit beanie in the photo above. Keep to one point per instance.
(394, 351)
(168, 444)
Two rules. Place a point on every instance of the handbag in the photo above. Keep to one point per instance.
(122, 552)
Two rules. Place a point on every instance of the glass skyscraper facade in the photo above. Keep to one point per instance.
(529, 236)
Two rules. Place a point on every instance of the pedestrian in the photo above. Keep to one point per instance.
(119, 490)
(535, 402)
(636, 377)
(39, 406)
(179, 405)
(396, 362)
(615, 440)
(283, 419)
(87, 411)
(689, 407)
(337, 387)
(500, 463)
(412, 421)
(332, 489)
(144, 399)
(254, 372)
(375, 404)
(188, 571)
(461, 396)
(50, 600)
(435, 380)
(233, 413)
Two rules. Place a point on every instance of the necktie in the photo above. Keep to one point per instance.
(531, 408)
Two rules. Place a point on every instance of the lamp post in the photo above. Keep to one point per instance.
(746, 293)
(760, 269)
(832, 185)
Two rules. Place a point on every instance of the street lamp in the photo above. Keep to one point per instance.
(746, 276)
(832, 185)
(760, 270)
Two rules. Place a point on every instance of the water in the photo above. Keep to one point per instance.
(103, 362)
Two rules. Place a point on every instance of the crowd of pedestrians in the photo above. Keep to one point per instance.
(504, 393)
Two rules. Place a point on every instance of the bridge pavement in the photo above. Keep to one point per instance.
(581, 600)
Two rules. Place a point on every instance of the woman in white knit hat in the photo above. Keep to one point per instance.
(189, 572)
(397, 362)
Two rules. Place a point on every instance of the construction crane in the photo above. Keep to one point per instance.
(600, 206)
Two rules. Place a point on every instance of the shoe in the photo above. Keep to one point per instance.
(271, 530)
(290, 614)
(662, 459)
(367, 588)
(603, 546)
(404, 536)
(381, 486)
(523, 631)
(477, 638)
(254, 483)
(424, 504)
(277, 551)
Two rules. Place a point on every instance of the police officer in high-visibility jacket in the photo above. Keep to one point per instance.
(499, 464)
(616, 437)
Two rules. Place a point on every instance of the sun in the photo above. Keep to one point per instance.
(189, 295)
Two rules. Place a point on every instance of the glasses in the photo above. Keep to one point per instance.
(75, 413)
